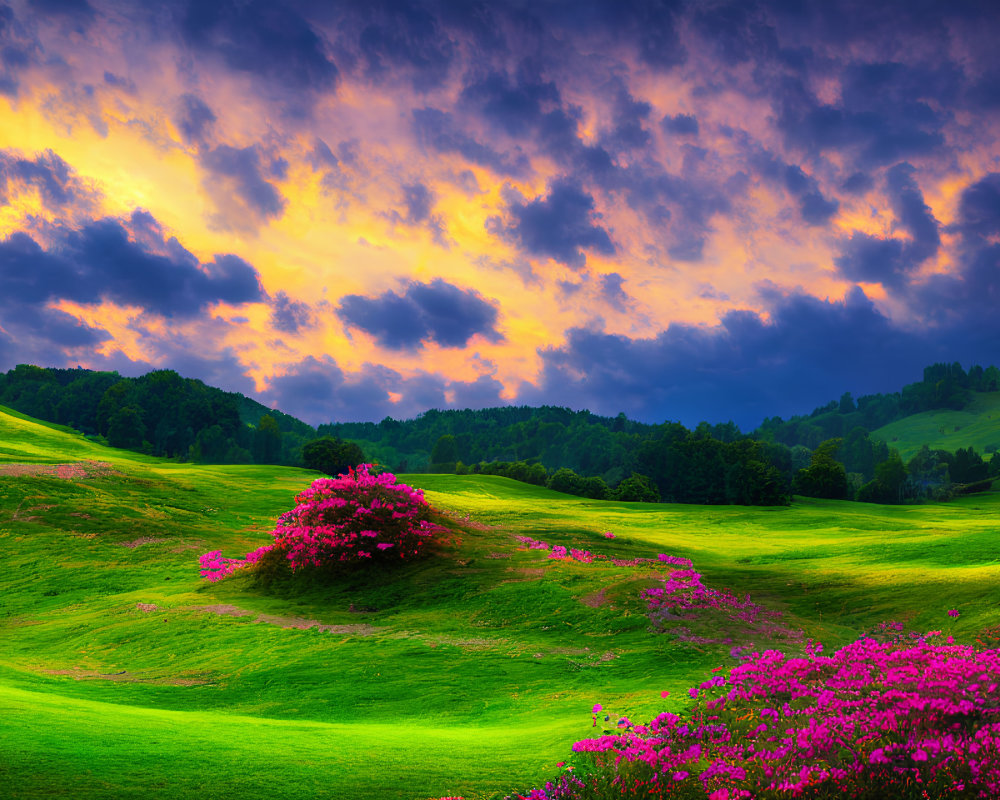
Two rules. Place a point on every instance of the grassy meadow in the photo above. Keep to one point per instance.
(123, 674)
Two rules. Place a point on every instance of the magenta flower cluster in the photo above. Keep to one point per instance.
(683, 589)
(362, 515)
(875, 719)
(586, 557)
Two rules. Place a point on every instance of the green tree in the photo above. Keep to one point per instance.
(889, 484)
(126, 428)
(267, 441)
(636, 489)
(969, 466)
(444, 456)
(825, 476)
(567, 481)
(331, 455)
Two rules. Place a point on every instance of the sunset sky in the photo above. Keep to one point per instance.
(352, 210)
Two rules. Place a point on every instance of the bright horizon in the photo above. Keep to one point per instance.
(703, 212)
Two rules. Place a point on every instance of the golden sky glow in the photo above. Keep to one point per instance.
(441, 217)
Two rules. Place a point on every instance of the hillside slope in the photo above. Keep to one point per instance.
(977, 426)
(469, 673)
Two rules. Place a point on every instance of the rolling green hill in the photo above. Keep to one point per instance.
(123, 675)
(977, 426)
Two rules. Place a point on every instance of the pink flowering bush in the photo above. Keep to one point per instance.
(361, 516)
(877, 719)
(683, 589)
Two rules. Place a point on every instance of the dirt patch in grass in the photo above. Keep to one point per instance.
(527, 573)
(67, 472)
(144, 676)
(299, 623)
(594, 599)
(466, 521)
(224, 609)
(141, 541)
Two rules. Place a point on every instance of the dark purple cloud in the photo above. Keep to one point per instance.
(243, 166)
(112, 260)
(322, 156)
(317, 390)
(680, 124)
(269, 40)
(419, 201)
(404, 37)
(290, 316)
(59, 187)
(193, 118)
(967, 298)
(612, 292)
(979, 208)
(443, 132)
(436, 312)
(814, 207)
(807, 352)
(892, 261)
(560, 226)
(79, 12)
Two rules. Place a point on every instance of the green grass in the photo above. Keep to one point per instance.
(976, 426)
(469, 673)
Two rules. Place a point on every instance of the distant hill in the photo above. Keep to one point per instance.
(977, 425)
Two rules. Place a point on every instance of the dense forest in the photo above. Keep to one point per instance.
(828, 453)
(160, 413)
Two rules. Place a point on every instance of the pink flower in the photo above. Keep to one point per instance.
(597, 707)
(953, 612)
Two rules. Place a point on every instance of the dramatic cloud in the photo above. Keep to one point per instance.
(560, 226)
(55, 181)
(193, 119)
(240, 172)
(892, 261)
(108, 260)
(722, 209)
(436, 312)
(288, 315)
(265, 39)
(317, 390)
(811, 348)
(439, 130)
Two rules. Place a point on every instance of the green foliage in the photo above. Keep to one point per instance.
(267, 441)
(444, 456)
(331, 456)
(889, 484)
(518, 470)
(694, 467)
(636, 488)
(825, 476)
(126, 429)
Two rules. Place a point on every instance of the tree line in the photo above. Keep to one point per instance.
(829, 453)
(159, 413)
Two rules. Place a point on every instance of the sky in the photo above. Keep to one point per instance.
(677, 210)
